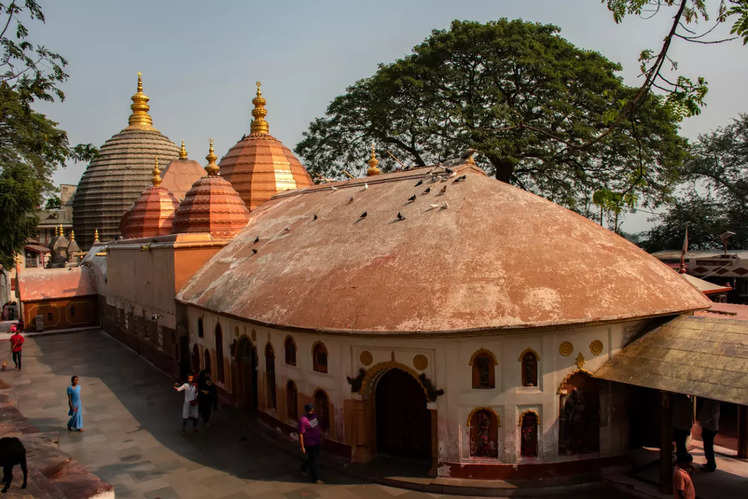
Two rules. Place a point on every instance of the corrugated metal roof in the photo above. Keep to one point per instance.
(467, 253)
(702, 356)
(726, 311)
(706, 287)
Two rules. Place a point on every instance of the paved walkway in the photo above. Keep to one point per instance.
(133, 440)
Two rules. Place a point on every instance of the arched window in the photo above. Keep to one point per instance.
(484, 434)
(319, 357)
(195, 359)
(207, 366)
(219, 354)
(322, 406)
(529, 368)
(483, 363)
(290, 348)
(529, 434)
(270, 373)
(292, 400)
(200, 331)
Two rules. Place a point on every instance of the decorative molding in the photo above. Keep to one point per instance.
(580, 361)
(565, 348)
(357, 381)
(374, 372)
(366, 358)
(420, 362)
(525, 412)
(528, 350)
(478, 409)
(596, 347)
(482, 351)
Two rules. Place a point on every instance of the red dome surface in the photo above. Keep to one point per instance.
(151, 215)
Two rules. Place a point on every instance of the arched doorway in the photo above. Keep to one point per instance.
(579, 418)
(403, 423)
(245, 382)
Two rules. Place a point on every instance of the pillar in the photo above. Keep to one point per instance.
(743, 431)
(666, 444)
(433, 471)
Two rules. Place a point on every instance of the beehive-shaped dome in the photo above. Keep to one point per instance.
(259, 165)
(211, 205)
(180, 174)
(119, 174)
(153, 213)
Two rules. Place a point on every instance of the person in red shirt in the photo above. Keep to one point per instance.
(16, 346)
(682, 482)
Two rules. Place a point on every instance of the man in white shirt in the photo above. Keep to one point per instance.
(189, 407)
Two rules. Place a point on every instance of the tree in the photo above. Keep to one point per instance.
(31, 145)
(714, 195)
(686, 95)
(53, 203)
(526, 99)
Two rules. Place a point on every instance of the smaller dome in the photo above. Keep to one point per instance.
(211, 205)
(153, 212)
(180, 174)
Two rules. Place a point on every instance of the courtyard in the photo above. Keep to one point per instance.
(132, 435)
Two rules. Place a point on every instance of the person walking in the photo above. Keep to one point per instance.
(682, 418)
(682, 482)
(207, 400)
(310, 439)
(16, 345)
(708, 418)
(189, 407)
(75, 423)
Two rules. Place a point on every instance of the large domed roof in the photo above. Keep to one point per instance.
(119, 174)
(467, 253)
(153, 212)
(180, 174)
(211, 205)
(259, 165)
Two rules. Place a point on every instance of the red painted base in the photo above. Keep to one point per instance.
(538, 471)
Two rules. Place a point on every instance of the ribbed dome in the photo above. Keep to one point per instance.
(180, 174)
(259, 165)
(211, 205)
(153, 213)
(119, 174)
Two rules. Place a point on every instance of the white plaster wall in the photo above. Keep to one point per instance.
(448, 368)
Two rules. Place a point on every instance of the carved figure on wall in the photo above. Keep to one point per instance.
(483, 434)
(529, 443)
(529, 369)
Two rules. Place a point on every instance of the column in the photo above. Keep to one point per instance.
(666, 444)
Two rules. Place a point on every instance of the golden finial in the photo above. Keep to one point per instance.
(96, 235)
(183, 151)
(212, 167)
(373, 162)
(140, 119)
(57, 231)
(62, 233)
(156, 179)
(259, 126)
(72, 235)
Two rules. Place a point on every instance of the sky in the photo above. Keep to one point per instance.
(200, 60)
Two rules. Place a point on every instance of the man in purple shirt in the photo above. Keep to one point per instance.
(310, 438)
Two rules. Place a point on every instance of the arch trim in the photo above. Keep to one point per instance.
(478, 409)
(482, 351)
(526, 351)
(377, 370)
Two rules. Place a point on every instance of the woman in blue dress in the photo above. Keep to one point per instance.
(75, 423)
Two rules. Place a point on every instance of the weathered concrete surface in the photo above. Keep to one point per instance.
(493, 257)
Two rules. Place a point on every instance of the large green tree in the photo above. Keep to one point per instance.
(31, 145)
(713, 196)
(532, 105)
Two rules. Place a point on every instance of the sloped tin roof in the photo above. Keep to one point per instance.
(48, 284)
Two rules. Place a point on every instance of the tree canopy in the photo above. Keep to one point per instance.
(527, 100)
(32, 146)
(713, 194)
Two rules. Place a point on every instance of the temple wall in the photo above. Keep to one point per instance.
(447, 367)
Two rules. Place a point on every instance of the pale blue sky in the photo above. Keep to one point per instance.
(200, 60)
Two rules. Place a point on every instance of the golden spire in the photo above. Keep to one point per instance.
(156, 179)
(140, 119)
(57, 231)
(183, 151)
(62, 233)
(96, 235)
(72, 235)
(259, 126)
(373, 162)
(212, 167)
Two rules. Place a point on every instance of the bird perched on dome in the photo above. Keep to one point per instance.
(466, 157)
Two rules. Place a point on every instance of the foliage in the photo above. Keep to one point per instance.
(715, 199)
(53, 203)
(527, 100)
(685, 95)
(28, 140)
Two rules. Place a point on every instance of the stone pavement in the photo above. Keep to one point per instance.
(133, 439)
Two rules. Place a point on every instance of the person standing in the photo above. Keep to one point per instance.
(16, 345)
(310, 439)
(682, 412)
(75, 423)
(189, 407)
(708, 418)
(682, 482)
(207, 400)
